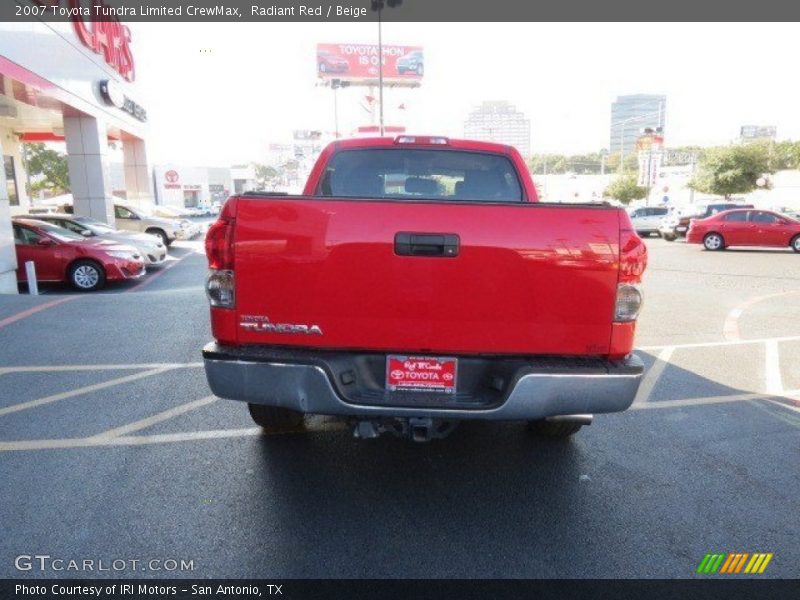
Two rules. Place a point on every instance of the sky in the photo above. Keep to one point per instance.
(219, 94)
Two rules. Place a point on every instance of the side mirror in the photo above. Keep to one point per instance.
(45, 241)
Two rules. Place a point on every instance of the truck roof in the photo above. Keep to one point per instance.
(420, 141)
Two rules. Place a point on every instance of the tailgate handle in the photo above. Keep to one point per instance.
(444, 245)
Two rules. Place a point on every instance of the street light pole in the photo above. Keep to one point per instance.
(380, 70)
(377, 6)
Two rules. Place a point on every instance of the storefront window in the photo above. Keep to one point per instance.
(11, 181)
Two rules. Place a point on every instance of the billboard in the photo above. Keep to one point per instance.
(758, 132)
(358, 63)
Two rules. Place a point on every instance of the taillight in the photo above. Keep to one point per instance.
(221, 288)
(219, 244)
(220, 284)
(632, 263)
(628, 302)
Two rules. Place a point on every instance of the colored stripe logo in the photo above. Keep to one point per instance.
(734, 562)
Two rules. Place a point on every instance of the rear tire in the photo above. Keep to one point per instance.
(86, 276)
(553, 429)
(714, 242)
(275, 419)
(795, 243)
(669, 237)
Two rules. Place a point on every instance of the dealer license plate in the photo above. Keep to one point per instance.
(421, 374)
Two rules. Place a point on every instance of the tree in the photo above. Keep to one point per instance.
(729, 170)
(47, 169)
(263, 174)
(625, 188)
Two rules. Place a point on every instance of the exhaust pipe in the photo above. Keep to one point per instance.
(577, 419)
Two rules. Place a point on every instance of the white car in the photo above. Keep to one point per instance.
(152, 249)
(646, 219)
(130, 218)
(189, 229)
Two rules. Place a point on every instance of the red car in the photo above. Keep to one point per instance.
(327, 62)
(418, 282)
(745, 228)
(64, 256)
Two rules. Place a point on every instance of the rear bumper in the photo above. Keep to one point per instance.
(499, 388)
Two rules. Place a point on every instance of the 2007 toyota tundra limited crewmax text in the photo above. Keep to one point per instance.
(416, 282)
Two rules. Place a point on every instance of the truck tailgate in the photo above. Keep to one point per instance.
(523, 279)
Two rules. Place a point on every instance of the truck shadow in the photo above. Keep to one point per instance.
(490, 500)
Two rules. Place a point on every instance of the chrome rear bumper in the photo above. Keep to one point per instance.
(310, 386)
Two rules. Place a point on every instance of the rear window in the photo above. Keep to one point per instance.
(409, 174)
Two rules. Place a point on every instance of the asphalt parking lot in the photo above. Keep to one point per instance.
(111, 447)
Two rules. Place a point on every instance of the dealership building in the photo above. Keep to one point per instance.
(73, 83)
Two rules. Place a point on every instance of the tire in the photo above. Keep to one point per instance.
(795, 243)
(86, 276)
(713, 242)
(275, 419)
(553, 429)
(669, 237)
(160, 233)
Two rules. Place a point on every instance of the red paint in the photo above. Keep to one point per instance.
(52, 261)
(748, 227)
(109, 38)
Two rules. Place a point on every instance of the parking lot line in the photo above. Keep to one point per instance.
(158, 273)
(127, 367)
(731, 328)
(157, 418)
(79, 391)
(788, 338)
(33, 310)
(161, 438)
(772, 368)
(653, 375)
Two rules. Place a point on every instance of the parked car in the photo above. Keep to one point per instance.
(141, 220)
(138, 219)
(646, 219)
(413, 62)
(189, 229)
(328, 62)
(64, 256)
(676, 224)
(405, 305)
(745, 228)
(149, 246)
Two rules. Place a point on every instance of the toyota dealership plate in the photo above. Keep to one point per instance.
(421, 374)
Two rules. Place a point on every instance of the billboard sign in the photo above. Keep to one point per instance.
(758, 132)
(358, 63)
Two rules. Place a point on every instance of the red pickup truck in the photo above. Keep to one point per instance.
(416, 282)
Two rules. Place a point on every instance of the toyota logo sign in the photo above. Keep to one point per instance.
(171, 176)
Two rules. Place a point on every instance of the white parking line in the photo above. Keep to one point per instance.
(79, 391)
(123, 367)
(789, 338)
(157, 418)
(161, 438)
(653, 375)
(698, 401)
(772, 369)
